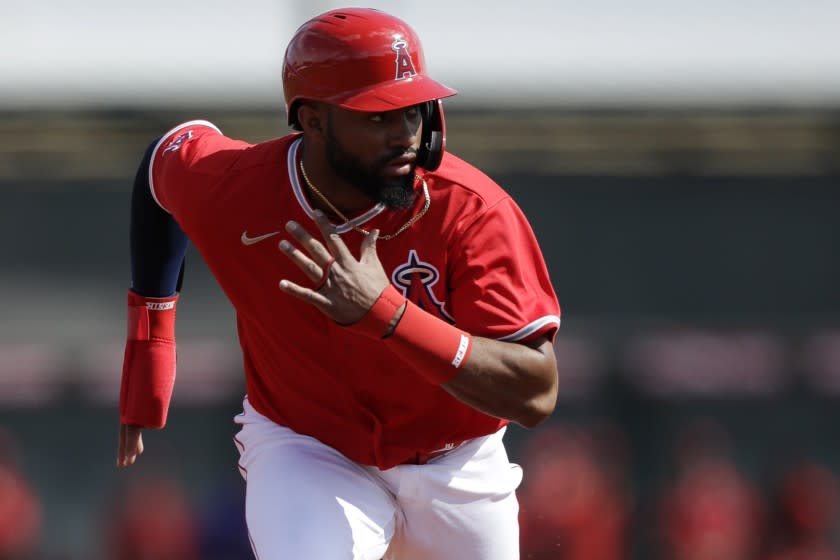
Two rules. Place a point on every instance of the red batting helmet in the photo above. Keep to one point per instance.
(364, 60)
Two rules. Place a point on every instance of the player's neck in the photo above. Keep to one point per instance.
(341, 194)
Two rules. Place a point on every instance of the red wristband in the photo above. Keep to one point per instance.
(378, 318)
(148, 374)
(432, 346)
(435, 348)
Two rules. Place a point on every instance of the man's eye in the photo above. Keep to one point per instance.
(377, 117)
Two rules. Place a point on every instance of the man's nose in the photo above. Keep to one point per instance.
(405, 132)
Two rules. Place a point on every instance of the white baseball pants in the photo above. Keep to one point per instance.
(306, 501)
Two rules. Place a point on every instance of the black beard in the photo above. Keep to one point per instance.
(394, 192)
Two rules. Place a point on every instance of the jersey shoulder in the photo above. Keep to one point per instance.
(462, 180)
(203, 148)
(269, 152)
(196, 154)
(464, 192)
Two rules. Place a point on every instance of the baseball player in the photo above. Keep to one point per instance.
(393, 307)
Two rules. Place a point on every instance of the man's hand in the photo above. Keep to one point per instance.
(345, 288)
(130, 446)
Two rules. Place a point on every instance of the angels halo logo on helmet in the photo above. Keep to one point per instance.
(365, 60)
(405, 66)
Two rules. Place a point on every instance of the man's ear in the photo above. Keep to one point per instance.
(311, 118)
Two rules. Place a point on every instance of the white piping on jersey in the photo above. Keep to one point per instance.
(304, 203)
(531, 328)
(161, 141)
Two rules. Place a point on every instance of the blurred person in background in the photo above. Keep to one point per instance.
(575, 501)
(152, 519)
(20, 508)
(805, 516)
(224, 535)
(710, 510)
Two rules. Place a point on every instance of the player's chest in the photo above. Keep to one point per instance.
(415, 263)
(418, 271)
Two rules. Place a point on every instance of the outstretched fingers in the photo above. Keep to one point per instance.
(130, 445)
(305, 294)
(316, 265)
(312, 264)
(315, 248)
(368, 248)
(307, 265)
(335, 244)
(343, 288)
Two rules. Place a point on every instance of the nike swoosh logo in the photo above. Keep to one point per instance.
(251, 240)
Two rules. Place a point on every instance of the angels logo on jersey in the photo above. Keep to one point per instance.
(176, 144)
(416, 278)
(405, 66)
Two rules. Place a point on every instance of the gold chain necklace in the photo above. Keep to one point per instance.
(347, 221)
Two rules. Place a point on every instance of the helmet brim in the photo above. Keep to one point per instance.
(395, 95)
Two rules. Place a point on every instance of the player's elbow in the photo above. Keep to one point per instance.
(541, 402)
(537, 409)
(541, 386)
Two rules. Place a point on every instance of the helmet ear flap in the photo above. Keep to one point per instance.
(433, 142)
(294, 121)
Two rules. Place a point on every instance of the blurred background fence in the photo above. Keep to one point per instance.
(689, 224)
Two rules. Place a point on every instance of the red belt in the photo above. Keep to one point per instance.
(423, 457)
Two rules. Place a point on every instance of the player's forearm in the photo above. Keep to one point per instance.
(508, 380)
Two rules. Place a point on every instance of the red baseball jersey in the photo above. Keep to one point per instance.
(472, 260)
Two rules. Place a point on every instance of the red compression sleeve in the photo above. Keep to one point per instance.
(148, 374)
(432, 346)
